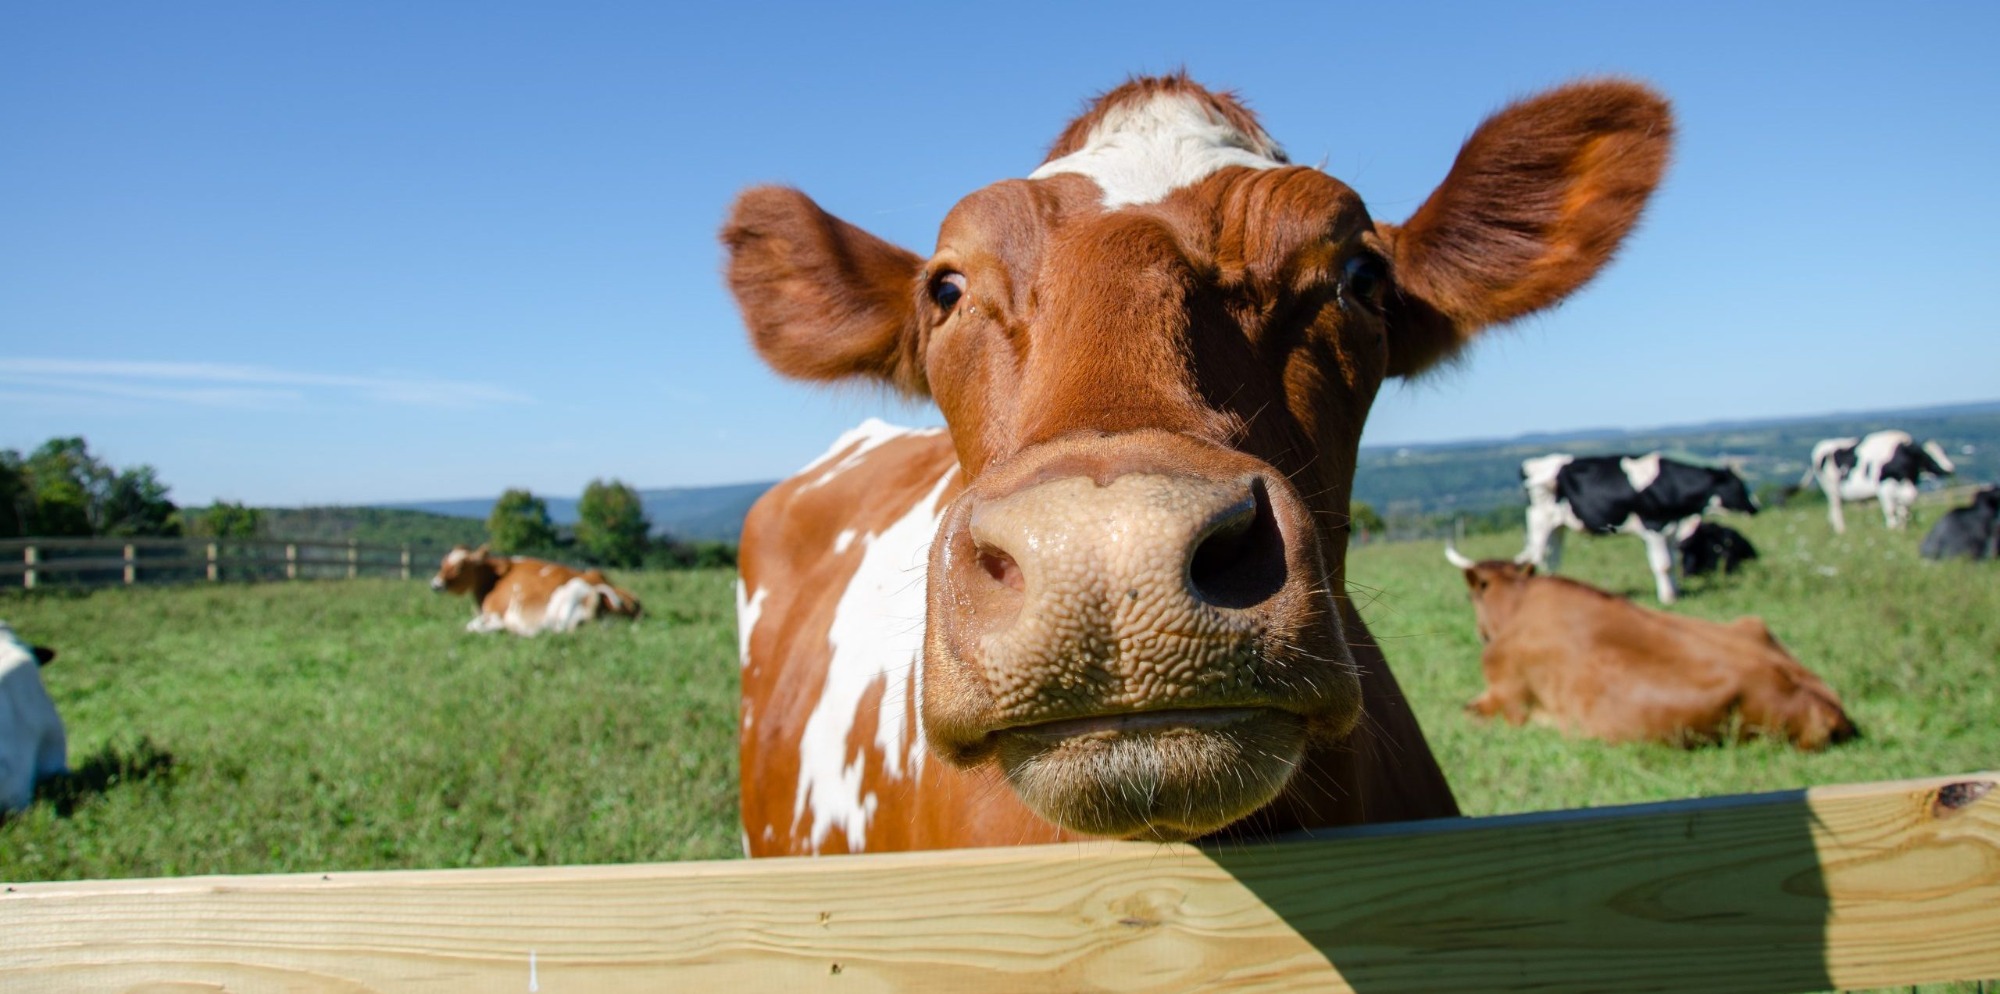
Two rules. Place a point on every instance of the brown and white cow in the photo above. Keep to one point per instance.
(1108, 598)
(529, 596)
(1598, 665)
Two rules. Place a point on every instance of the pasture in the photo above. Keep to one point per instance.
(352, 725)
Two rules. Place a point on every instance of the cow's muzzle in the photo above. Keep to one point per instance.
(1138, 630)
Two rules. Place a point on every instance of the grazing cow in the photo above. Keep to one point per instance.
(1884, 465)
(1107, 599)
(1972, 531)
(1707, 547)
(32, 743)
(529, 596)
(1647, 495)
(1598, 665)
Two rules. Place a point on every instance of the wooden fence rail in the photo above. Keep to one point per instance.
(1831, 888)
(100, 561)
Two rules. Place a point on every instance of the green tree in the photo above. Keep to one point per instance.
(1362, 519)
(134, 503)
(520, 523)
(60, 489)
(611, 524)
(17, 500)
(228, 519)
(62, 477)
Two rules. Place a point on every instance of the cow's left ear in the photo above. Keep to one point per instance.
(1538, 201)
(823, 299)
(43, 655)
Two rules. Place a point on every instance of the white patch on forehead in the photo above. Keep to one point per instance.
(861, 439)
(748, 610)
(1139, 153)
(455, 557)
(1642, 471)
(877, 634)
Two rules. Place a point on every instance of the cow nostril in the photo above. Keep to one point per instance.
(1240, 562)
(1002, 568)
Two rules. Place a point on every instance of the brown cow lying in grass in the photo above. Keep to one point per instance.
(1598, 665)
(529, 596)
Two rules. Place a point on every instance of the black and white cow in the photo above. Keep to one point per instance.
(1647, 496)
(1972, 531)
(1884, 465)
(1707, 547)
(32, 744)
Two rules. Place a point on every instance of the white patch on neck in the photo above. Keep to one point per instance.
(861, 439)
(1641, 471)
(877, 633)
(1139, 153)
(748, 610)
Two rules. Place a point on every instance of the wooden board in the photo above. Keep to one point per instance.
(1838, 887)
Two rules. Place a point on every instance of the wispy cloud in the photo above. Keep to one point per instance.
(208, 384)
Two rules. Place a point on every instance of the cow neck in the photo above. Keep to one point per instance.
(488, 578)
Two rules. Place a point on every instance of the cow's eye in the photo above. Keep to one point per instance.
(946, 289)
(1364, 280)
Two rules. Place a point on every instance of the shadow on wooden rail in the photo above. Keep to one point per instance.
(1831, 888)
(1793, 891)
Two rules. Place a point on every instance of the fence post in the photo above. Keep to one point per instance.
(291, 561)
(353, 558)
(131, 566)
(30, 557)
(406, 562)
(214, 572)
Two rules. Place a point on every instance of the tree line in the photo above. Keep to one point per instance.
(611, 530)
(63, 490)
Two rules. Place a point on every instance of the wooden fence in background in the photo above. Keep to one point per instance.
(41, 562)
(1832, 888)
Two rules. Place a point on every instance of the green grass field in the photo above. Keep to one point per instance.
(352, 725)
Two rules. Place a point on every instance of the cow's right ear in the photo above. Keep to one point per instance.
(823, 299)
(43, 655)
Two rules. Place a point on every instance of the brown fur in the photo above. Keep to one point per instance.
(497, 583)
(1603, 667)
(1211, 334)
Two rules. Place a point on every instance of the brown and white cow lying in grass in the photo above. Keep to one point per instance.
(1598, 665)
(529, 596)
(1109, 598)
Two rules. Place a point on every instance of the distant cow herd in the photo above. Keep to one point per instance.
(1109, 597)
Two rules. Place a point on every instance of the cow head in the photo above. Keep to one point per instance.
(1935, 461)
(467, 571)
(1495, 586)
(1155, 355)
(1727, 491)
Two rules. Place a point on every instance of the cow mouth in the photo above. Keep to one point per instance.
(1165, 775)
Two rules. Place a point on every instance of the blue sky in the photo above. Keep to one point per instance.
(317, 252)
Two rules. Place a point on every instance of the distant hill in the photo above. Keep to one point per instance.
(1446, 477)
(1480, 475)
(712, 514)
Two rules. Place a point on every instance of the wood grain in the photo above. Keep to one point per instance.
(1857, 886)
